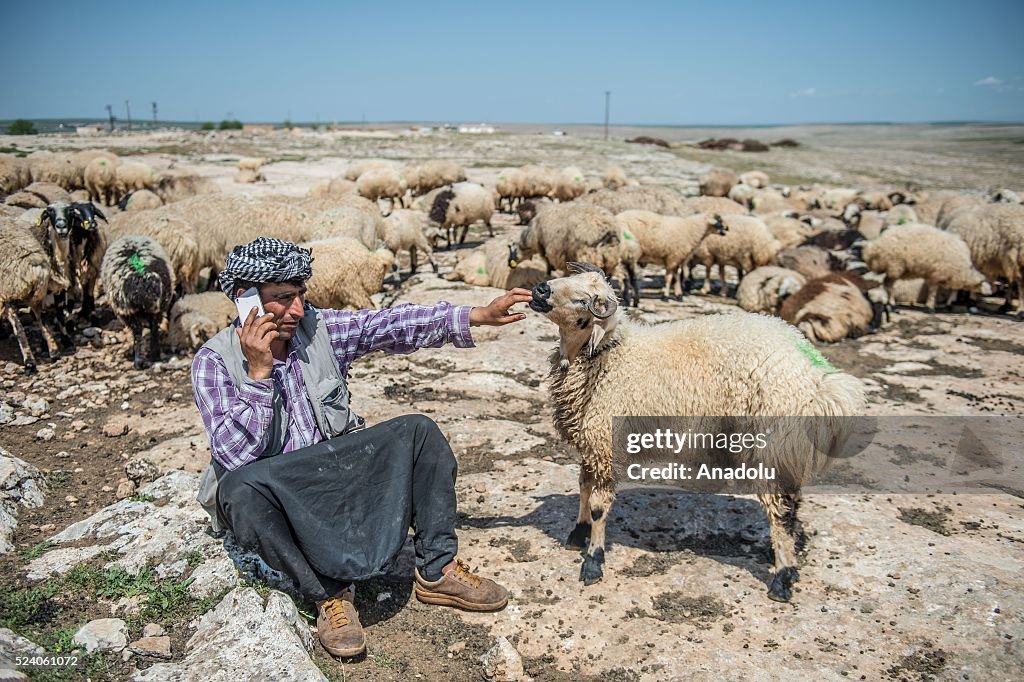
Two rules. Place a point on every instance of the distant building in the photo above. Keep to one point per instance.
(479, 129)
(89, 130)
(257, 128)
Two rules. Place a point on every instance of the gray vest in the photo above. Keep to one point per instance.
(326, 390)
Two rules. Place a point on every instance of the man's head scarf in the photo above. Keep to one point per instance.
(265, 260)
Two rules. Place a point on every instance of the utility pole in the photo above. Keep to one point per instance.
(154, 114)
(607, 108)
(128, 108)
(110, 113)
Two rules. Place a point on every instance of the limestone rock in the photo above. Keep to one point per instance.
(502, 662)
(103, 634)
(158, 647)
(21, 484)
(244, 638)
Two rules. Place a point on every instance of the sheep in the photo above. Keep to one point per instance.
(139, 282)
(836, 199)
(133, 175)
(769, 201)
(403, 231)
(539, 181)
(834, 307)
(195, 319)
(357, 168)
(381, 183)
(709, 205)
(332, 187)
(657, 199)
(810, 261)
(38, 195)
(755, 178)
(742, 194)
(101, 181)
(766, 287)
(176, 235)
(28, 278)
(1004, 196)
(174, 186)
(461, 205)
(668, 240)
(250, 163)
(614, 178)
(717, 182)
(788, 230)
(994, 234)
(745, 245)
(561, 233)
(733, 364)
(88, 246)
(942, 259)
(139, 200)
(80, 160)
(57, 169)
(512, 188)
(14, 174)
(874, 200)
(496, 263)
(346, 273)
(433, 174)
(569, 184)
(247, 176)
(347, 221)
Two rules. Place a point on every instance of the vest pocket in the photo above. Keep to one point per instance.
(335, 406)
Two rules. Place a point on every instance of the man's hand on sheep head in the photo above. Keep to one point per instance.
(496, 314)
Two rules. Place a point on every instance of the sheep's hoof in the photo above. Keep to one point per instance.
(973, 310)
(30, 368)
(578, 537)
(781, 588)
(53, 354)
(140, 363)
(591, 572)
(1019, 316)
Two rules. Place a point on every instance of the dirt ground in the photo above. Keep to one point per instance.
(901, 586)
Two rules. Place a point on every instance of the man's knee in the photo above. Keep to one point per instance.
(420, 424)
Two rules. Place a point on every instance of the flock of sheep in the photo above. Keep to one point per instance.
(828, 260)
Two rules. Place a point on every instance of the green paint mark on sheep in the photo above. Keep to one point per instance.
(814, 355)
(627, 236)
(136, 263)
(481, 271)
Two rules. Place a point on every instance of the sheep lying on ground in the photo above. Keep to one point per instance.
(717, 182)
(614, 178)
(248, 177)
(174, 186)
(27, 279)
(735, 364)
(755, 178)
(196, 318)
(745, 244)
(139, 284)
(496, 263)
(788, 230)
(810, 261)
(720, 205)
(914, 251)
(347, 273)
(403, 231)
(461, 205)
(994, 234)
(669, 240)
(766, 287)
(834, 307)
(333, 187)
(139, 200)
(251, 163)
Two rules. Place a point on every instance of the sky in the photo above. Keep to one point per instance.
(665, 63)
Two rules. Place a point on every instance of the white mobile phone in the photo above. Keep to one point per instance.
(249, 299)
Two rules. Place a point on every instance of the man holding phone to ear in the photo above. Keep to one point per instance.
(296, 474)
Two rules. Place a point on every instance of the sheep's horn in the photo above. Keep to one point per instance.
(579, 268)
(611, 306)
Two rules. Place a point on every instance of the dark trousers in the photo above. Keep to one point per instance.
(340, 510)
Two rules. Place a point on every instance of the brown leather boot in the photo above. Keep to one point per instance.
(338, 627)
(460, 587)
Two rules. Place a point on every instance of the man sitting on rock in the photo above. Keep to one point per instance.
(299, 478)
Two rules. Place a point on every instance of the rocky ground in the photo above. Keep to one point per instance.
(108, 554)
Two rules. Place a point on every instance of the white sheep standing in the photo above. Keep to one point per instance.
(133, 175)
(432, 174)
(332, 187)
(346, 273)
(382, 183)
(14, 174)
(101, 181)
(657, 199)
(403, 231)
(746, 244)
(251, 163)
(461, 205)
(994, 234)
(669, 240)
(569, 184)
(736, 364)
(764, 288)
(28, 278)
(914, 251)
(755, 178)
(195, 319)
(139, 282)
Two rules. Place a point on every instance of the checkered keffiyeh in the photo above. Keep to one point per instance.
(265, 260)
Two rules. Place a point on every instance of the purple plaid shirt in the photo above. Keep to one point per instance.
(237, 419)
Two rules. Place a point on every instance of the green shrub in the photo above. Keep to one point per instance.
(230, 125)
(21, 126)
(207, 126)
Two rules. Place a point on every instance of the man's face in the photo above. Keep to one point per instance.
(285, 302)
